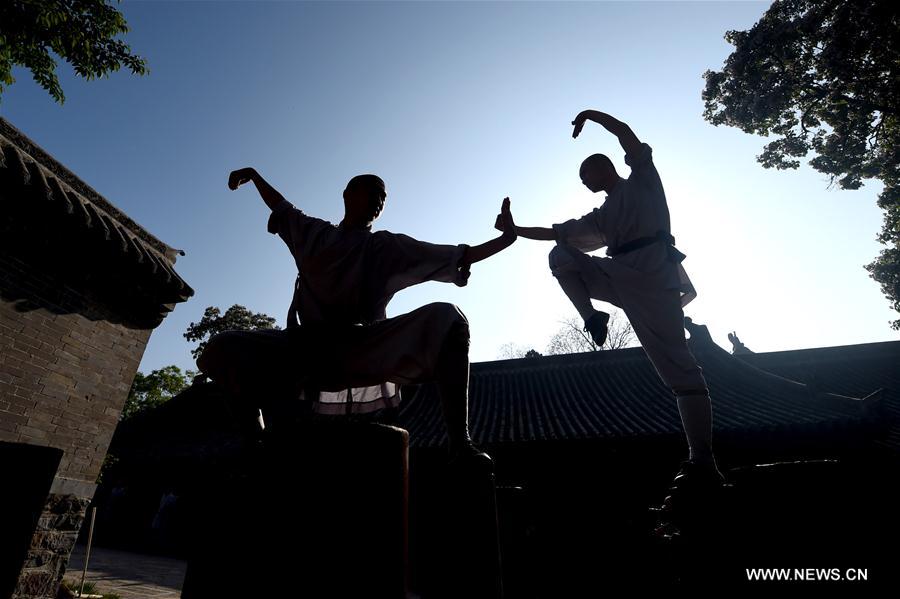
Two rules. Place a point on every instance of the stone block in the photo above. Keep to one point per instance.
(322, 510)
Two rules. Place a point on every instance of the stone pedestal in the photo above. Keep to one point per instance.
(456, 547)
(472, 559)
(28, 471)
(321, 511)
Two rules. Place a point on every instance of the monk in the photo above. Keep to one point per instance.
(641, 274)
(339, 352)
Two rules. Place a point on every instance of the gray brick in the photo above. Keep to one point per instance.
(34, 433)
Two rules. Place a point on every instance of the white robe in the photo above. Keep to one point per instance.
(346, 278)
(345, 357)
(649, 283)
(636, 208)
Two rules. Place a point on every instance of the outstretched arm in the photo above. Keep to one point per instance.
(630, 143)
(536, 233)
(269, 194)
(477, 253)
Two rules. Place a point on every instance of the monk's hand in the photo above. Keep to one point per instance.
(465, 271)
(498, 223)
(509, 226)
(579, 121)
(239, 177)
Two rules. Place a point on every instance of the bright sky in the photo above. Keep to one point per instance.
(455, 105)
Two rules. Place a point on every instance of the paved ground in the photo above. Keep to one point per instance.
(129, 575)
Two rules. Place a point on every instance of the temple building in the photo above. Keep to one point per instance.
(82, 286)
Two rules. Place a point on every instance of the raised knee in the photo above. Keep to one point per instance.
(214, 354)
(447, 312)
(459, 331)
(559, 256)
(453, 321)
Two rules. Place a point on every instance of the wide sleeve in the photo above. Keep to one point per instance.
(585, 233)
(640, 159)
(298, 230)
(405, 261)
(642, 168)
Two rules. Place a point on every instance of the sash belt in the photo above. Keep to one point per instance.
(642, 242)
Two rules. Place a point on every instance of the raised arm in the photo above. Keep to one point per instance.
(477, 253)
(269, 194)
(629, 141)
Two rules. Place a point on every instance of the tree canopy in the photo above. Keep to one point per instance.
(81, 32)
(236, 318)
(823, 76)
(154, 389)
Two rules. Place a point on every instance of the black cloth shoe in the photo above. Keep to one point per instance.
(695, 484)
(469, 454)
(697, 476)
(596, 326)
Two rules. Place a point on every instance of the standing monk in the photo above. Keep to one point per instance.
(642, 275)
(339, 351)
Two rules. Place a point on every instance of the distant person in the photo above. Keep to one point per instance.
(114, 513)
(642, 275)
(343, 353)
(163, 522)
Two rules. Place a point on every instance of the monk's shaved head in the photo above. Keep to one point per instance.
(597, 162)
(598, 173)
(365, 183)
(364, 198)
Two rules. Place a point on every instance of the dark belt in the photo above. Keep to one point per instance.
(642, 242)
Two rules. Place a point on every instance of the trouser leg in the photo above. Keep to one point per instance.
(580, 280)
(658, 323)
(696, 418)
(452, 378)
(217, 362)
(253, 370)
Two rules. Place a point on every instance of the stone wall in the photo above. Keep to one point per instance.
(51, 546)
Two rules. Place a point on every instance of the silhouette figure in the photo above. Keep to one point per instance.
(738, 348)
(339, 350)
(642, 274)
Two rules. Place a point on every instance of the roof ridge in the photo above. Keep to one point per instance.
(554, 360)
(870, 345)
(43, 159)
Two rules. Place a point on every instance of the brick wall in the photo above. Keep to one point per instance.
(65, 371)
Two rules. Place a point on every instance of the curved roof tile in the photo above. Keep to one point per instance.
(616, 395)
(35, 185)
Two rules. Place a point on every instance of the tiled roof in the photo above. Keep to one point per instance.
(41, 198)
(856, 370)
(616, 395)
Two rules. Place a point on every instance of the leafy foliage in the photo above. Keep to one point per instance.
(154, 389)
(236, 318)
(823, 77)
(81, 32)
